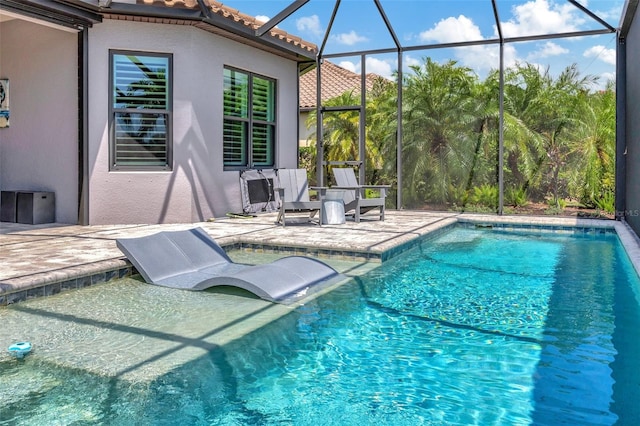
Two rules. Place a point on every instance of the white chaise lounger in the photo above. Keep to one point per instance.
(192, 260)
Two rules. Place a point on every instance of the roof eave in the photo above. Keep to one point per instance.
(302, 54)
(59, 12)
(152, 11)
(196, 16)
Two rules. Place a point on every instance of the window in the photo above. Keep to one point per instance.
(140, 111)
(249, 120)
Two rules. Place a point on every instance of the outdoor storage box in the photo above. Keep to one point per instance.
(35, 207)
(8, 206)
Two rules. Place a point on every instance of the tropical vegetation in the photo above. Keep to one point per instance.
(559, 138)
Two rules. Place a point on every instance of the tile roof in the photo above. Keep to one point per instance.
(335, 81)
(217, 8)
(250, 21)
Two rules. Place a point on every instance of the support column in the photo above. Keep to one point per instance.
(621, 129)
(501, 135)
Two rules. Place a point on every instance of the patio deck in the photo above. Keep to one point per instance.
(42, 260)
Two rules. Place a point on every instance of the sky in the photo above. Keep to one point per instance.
(358, 26)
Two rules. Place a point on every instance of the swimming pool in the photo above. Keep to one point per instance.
(472, 327)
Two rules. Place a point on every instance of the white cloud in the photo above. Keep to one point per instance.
(384, 68)
(546, 50)
(262, 18)
(600, 52)
(612, 14)
(605, 77)
(542, 17)
(310, 25)
(451, 30)
(481, 58)
(409, 60)
(484, 58)
(348, 65)
(349, 38)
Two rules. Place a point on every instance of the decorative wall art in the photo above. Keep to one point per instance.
(4, 102)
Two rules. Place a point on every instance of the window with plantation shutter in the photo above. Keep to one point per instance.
(249, 120)
(140, 111)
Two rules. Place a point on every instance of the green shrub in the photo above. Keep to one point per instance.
(516, 197)
(476, 208)
(485, 195)
(458, 196)
(553, 210)
(607, 202)
(557, 203)
(371, 193)
(556, 206)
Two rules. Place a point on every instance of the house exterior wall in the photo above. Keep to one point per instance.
(197, 188)
(39, 151)
(304, 133)
(632, 208)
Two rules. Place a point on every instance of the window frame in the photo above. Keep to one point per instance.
(251, 122)
(168, 113)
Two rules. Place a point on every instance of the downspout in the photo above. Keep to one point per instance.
(621, 129)
(83, 127)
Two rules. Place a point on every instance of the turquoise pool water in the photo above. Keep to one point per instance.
(473, 327)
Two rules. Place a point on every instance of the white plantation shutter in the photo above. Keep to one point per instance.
(263, 122)
(249, 120)
(236, 118)
(141, 105)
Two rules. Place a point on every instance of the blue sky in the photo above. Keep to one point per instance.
(359, 27)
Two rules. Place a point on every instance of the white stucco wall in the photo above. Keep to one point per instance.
(39, 151)
(197, 188)
(304, 133)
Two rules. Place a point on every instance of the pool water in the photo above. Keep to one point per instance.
(472, 327)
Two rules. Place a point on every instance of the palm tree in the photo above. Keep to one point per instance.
(593, 148)
(382, 128)
(438, 116)
(548, 110)
(523, 144)
(559, 138)
(341, 133)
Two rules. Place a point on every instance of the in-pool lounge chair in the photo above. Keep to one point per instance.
(192, 260)
(293, 190)
(355, 194)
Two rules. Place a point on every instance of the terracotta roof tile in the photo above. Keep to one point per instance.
(250, 21)
(335, 81)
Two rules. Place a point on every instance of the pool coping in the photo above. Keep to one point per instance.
(50, 283)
